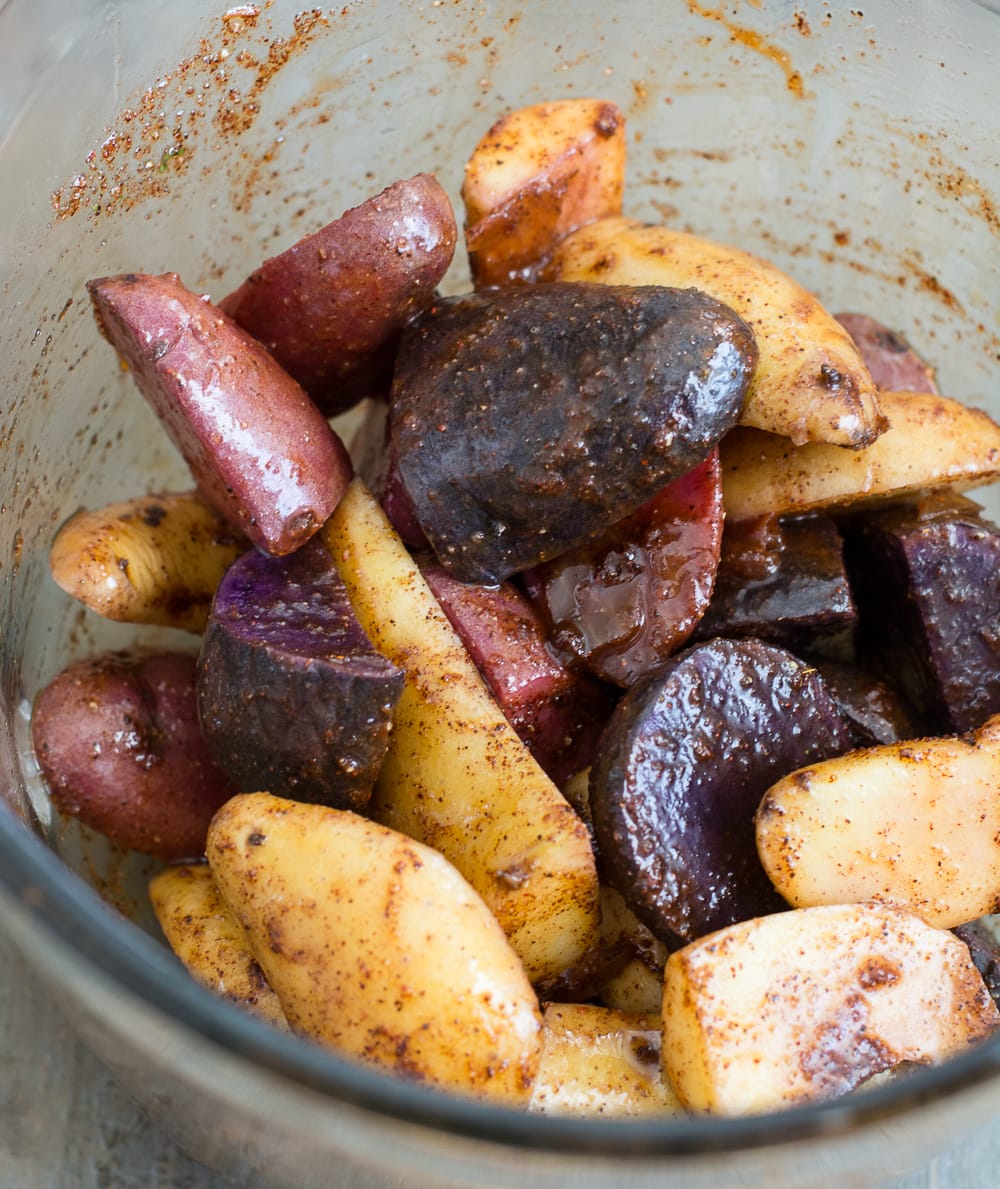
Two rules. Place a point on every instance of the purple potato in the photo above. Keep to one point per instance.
(293, 698)
(681, 769)
(985, 951)
(526, 420)
(262, 453)
(894, 365)
(330, 308)
(871, 706)
(926, 578)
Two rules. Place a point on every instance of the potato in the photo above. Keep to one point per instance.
(155, 559)
(638, 985)
(811, 383)
(915, 823)
(601, 1062)
(932, 442)
(456, 775)
(118, 744)
(376, 946)
(539, 173)
(807, 1004)
(209, 940)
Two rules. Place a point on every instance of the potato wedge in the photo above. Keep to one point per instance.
(456, 775)
(156, 559)
(638, 985)
(915, 824)
(811, 384)
(933, 442)
(539, 173)
(596, 1061)
(376, 946)
(807, 1004)
(209, 940)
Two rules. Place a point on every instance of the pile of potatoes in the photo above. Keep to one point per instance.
(439, 932)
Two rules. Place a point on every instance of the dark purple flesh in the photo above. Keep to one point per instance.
(871, 706)
(558, 712)
(926, 578)
(894, 365)
(625, 602)
(293, 698)
(783, 581)
(526, 420)
(682, 766)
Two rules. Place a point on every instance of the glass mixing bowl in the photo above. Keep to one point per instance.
(856, 147)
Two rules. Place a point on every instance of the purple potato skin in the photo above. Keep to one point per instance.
(524, 421)
(926, 577)
(293, 698)
(873, 709)
(894, 365)
(119, 745)
(985, 952)
(261, 452)
(330, 308)
(681, 769)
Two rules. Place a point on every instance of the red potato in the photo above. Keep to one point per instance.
(118, 743)
(893, 363)
(330, 308)
(262, 453)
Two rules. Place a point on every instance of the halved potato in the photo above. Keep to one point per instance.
(539, 173)
(638, 985)
(916, 824)
(596, 1061)
(932, 442)
(456, 775)
(811, 383)
(209, 940)
(376, 946)
(809, 1003)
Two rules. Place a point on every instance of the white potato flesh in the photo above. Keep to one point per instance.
(456, 776)
(807, 1004)
(638, 985)
(376, 946)
(811, 383)
(933, 442)
(208, 939)
(915, 823)
(596, 1061)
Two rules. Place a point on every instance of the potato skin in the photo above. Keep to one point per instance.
(262, 453)
(118, 743)
(330, 308)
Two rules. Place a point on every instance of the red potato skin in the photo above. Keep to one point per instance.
(331, 307)
(261, 452)
(118, 743)
(894, 365)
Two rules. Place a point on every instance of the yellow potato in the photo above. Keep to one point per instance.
(209, 940)
(156, 559)
(539, 173)
(376, 946)
(456, 775)
(807, 1004)
(916, 824)
(933, 442)
(601, 1062)
(638, 985)
(811, 383)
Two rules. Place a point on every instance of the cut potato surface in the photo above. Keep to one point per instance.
(807, 1004)
(456, 775)
(932, 442)
(596, 1061)
(915, 823)
(811, 383)
(376, 946)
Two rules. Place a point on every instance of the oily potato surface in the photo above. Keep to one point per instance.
(376, 946)
(456, 775)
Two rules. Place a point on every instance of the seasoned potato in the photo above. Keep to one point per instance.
(376, 946)
(638, 985)
(596, 1061)
(539, 173)
(154, 559)
(933, 442)
(809, 1003)
(209, 940)
(456, 775)
(811, 383)
(915, 824)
